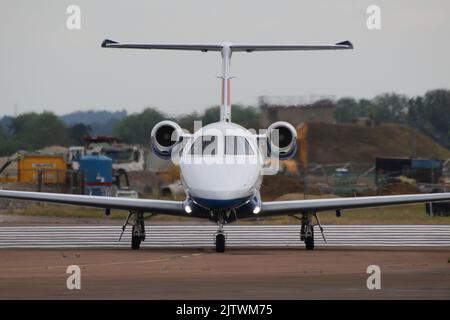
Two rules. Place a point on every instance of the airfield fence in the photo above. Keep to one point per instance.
(355, 179)
(342, 179)
(54, 181)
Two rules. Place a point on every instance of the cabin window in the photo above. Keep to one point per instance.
(237, 145)
(204, 145)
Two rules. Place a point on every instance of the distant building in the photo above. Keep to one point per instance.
(296, 114)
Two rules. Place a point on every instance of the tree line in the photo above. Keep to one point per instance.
(33, 131)
(429, 113)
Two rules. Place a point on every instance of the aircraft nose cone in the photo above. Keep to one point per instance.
(220, 182)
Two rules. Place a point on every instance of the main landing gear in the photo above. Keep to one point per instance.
(138, 228)
(307, 229)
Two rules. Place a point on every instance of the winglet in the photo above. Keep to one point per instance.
(345, 43)
(106, 42)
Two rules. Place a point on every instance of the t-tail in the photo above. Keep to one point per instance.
(227, 49)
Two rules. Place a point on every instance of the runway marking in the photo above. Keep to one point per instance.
(238, 236)
(126, 262)
(104, 263)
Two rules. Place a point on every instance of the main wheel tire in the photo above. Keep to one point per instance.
(135, 242)
(220, 242)
(309, 243)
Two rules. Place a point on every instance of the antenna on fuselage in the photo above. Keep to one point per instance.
(226, 49)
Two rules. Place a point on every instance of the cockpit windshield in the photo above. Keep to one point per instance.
(204, 145)
(237, 145)
(208, 146)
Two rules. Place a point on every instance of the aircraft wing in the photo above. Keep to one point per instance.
(268, 208)
(146, 205)
(316, 205)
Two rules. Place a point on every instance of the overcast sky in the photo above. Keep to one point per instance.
(45, 66)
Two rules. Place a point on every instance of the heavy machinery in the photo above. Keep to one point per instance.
(124, 157)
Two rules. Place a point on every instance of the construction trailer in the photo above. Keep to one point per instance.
(35, 168)
(422, 170)
(48, 168)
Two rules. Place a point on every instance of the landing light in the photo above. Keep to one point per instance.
(187, 208)
(257, 210)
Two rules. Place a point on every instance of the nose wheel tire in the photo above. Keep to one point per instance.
(220, 242)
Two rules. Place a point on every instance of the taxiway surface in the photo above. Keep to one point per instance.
(325, 273)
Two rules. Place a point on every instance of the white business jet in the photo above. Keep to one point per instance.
(222, 165)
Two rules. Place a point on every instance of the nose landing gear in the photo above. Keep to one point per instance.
(220, 242)
(220, 234)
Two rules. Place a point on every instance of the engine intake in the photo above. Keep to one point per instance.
(282, 140)
(165, 135)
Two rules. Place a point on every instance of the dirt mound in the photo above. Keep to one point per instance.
(392, 189)
(338, 143)
(54, 150)
(277, 185)
(301, 196)
(399, 188)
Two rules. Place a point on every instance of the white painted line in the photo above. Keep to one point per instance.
(237, 236)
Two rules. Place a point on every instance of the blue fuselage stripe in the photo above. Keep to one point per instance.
(221, 204)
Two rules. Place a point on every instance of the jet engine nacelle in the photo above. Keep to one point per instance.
(165, 135)
(282, 140)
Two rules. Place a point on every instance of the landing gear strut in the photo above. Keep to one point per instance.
(138, 231)
(138, 228)
(307, 229)
(220, 235)
(307, 232)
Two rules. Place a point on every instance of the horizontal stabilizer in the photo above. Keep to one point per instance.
(196, 47)
(234, 47)
(287, 47)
